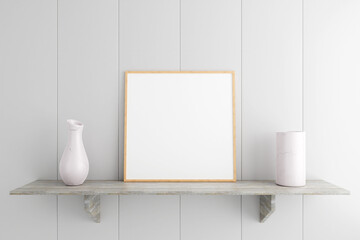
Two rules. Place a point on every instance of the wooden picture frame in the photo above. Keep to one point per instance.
(142, 90)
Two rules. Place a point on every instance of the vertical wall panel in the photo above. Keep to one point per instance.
(149, 217)
(88, 80)
(284, 223)
(149, 40)
(210, 41)
(332, 117)
(210, 217)
(75, 223)
(88, 91)
(272, 80)
(272, 102)
(27, 116)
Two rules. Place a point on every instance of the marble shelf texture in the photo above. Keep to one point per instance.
(92, 189)
(105, 187)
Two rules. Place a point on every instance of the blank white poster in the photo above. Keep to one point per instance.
(179, 126)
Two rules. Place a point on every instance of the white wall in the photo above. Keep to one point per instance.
(297, 67)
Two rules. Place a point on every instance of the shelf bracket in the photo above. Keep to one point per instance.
(267, 206)
(92, 206)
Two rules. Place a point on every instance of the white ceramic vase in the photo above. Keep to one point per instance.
(74, 164)
(290, 159)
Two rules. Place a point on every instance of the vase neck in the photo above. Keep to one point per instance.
(75, 136)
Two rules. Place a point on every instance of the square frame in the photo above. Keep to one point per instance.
(233, 126)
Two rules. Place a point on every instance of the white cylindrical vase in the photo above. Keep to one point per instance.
(290, 159)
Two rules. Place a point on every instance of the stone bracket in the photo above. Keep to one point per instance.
(92, 206)
(267, 206)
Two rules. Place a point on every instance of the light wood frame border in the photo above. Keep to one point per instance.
(182, 180)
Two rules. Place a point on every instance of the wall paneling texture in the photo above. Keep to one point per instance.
(296, 65)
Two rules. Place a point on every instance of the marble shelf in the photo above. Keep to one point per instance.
(92, 189)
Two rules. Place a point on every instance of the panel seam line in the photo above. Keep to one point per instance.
(180, 32)
(57, 114)
(180, 71)
(118, 114)
(303, 101)
(241, 112)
